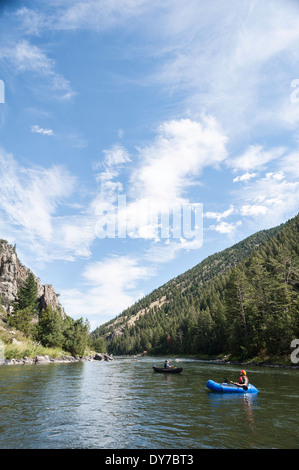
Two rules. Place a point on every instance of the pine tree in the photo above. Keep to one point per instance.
(205, 332)
(50, 328)
(22, 320)
(239, 302)
(238, 298)
(27, 296)
(76, 336)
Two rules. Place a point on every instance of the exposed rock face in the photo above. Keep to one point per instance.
(49, 297)
(12, 276)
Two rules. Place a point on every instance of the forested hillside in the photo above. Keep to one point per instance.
(243, 301)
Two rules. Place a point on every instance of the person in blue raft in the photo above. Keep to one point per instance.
(242, 386)
(243, 380)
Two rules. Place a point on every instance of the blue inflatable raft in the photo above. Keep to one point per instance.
(230, 388)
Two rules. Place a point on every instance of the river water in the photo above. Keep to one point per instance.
(125, 405)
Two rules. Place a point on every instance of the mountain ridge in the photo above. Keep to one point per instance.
(186, 292)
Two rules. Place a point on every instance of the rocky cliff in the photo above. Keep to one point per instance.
(13, 273)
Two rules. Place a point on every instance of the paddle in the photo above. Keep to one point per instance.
(234, 383)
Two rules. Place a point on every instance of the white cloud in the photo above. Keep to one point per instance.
(40, 130)
(289, 165)
(25, 57)
(269, 200)
(181, 150)
(253, 209)
(225, 227)
(116, 156)
(110, 286)
(166, 251)
(72, 15)
(278, 176)
(110, 184)
(97, 15)
(245, 177)
(32, 21)
(256, 157)
(220, 215)
(74, 236)
(30, 196)
(120, 272)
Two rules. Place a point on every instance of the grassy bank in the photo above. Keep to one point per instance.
(30, 350)
(19, 351)
(17, 346)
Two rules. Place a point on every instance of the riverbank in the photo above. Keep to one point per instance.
(276, 362)
(63, 359)
(267, 363)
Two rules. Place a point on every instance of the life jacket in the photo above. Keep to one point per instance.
(242, 380)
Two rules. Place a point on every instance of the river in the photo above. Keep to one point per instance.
(125, 405)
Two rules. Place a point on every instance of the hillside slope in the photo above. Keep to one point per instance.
(243, 300)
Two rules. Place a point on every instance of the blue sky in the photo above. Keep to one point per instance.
(166, 104)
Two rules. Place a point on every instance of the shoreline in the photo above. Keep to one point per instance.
(251, 363)
(215, 360)
(64, 359)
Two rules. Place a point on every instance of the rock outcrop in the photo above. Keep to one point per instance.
(62, 359)
(12, 275)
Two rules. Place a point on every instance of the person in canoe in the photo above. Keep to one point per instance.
(167, 365)
(243, 380)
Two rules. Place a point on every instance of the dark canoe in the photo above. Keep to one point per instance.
(169, 370)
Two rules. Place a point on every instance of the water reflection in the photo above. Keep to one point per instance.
(241, 404)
